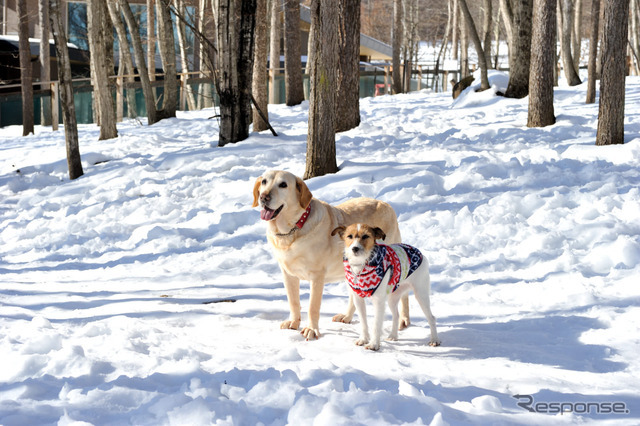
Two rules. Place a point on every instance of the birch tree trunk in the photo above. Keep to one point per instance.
(25, 68)
(612, 84)
(74, 162)
(321, 142)
(541, 112)
(292, 59)
(98, 23)
(348, 78)
(259, 84)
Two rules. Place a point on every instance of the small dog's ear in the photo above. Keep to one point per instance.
(304, 193)
(256, 191)
(379, 234)
(339, 230)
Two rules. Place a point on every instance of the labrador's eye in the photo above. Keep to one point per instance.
(264, 181)
(283, 185)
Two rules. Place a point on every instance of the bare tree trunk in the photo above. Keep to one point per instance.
(184, 55)
(520, 49)
(25, 68)
(149, 98)
(612, 84)
(126, 61)
(236, 26)
(97, 23)
(151, 40)
(204, 26)
(348, 79)
(455, 41)
(445, 39)
(570, 72)
(508, 19)
(45, 58)
(465, 70)
(66, 92)
(321, 142)
(487, 26)
(482, 59)
(397, 45)
(634, 40)
(259, 85)
(168, 55)
(576, 35)
(593, 51)
(292, 59)
(541, 111)
(274, 51)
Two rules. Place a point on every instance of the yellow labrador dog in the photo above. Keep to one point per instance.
(299, 230)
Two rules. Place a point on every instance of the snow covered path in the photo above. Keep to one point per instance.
(145, 292)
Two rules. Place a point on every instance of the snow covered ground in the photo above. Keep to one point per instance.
(145, 292)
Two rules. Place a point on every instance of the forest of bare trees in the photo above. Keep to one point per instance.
(232, 48)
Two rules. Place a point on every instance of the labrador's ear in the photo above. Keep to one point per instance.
(379, 234)
(339, 230)
(256, 192)
(303, 192)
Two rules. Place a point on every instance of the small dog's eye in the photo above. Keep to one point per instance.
(283, 185)
(350, 237)
(364, 237)
(264, 181)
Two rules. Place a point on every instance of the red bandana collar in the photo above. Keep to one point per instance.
(304, 217)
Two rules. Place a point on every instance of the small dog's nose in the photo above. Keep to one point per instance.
(355, 250)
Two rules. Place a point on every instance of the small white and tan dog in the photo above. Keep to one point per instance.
(384, 273)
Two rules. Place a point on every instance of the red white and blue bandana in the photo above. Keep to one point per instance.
(401, 258)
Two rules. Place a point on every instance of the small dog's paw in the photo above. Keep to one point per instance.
(362, 342)
(404, 323)
(434, 343)
(372, 346)
(393, 337)
(310, 333)
(290, 325)
(342, 318)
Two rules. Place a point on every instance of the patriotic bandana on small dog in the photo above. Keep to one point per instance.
(401, 258)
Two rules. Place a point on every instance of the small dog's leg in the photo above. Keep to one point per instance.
(404, 317)
(422, 295)
(379, 303)
(393, 306)
(362, 315)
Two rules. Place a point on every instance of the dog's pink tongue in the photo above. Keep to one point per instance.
(266, 214)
